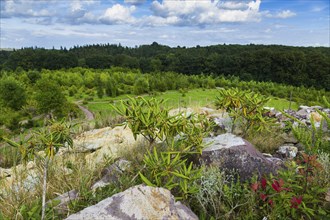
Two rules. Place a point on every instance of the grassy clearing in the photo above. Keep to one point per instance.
(175, 99)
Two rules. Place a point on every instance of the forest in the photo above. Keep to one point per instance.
(297, 66)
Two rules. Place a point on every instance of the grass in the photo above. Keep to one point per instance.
(193, 98)
(281, 104)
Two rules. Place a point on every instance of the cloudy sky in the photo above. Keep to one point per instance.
(48, 23)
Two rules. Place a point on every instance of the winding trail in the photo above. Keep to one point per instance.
(88, 114)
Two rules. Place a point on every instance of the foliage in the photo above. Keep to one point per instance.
(49, 97)
(291, 194)
(220, 198)
(172, 166)
(307, 66)
(145, 117)
(168, 170)
(312, 137)
(12, 93)
(245, 107)
(49, 140)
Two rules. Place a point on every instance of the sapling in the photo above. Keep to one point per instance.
(48, 140)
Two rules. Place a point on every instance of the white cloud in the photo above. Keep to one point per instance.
(135, 2)
(118, 14)
(282, 14)
(285, 14)
(21, 8)
(187, 12)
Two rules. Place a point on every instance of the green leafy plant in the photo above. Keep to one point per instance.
(164, 169)
(145, 117)
(244, 107)
(49, 140)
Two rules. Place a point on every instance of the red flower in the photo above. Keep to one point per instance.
(295, 202)
(255, 186)
(263, 197)
(263, 183)
(270, 202)
(276, 186)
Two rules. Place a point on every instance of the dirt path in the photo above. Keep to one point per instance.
(88, 114)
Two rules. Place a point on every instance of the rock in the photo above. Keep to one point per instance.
(138, 202)
(181, 111)
(64, 200)
(111, 173)
(98, 138)
(315, 116)
(105, 143)
(5, 173)
(224, 123)
(303, 113)
(288, 151)
(303, 107)
(230, 152)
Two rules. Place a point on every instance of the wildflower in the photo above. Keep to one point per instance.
(263, 183)
(263, 197)
(295, 202)
(270, 202)
(255, 186)
(276, 186)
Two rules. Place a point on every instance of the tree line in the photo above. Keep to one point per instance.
(297, 66)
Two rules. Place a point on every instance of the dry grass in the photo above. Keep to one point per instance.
(65, 174)
(267, 141)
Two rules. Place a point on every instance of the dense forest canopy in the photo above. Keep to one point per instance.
(298, 66)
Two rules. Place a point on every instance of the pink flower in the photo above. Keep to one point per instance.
(255, 186)
(263, 197)
(295, 202)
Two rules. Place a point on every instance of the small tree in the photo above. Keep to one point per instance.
(12, 93)
(49, 140)
(245, 107)
(49, 97)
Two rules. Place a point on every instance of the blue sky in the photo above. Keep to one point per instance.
(48, 23)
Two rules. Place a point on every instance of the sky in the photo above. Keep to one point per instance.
(66, 23)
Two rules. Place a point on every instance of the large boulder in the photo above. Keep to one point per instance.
(138, 202)
(233, 153)
(105, 143)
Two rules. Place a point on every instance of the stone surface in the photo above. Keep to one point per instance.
(64, 200)
(232, 153)
(288, 151)
(111, 173)
(138, 202)
(105, 143)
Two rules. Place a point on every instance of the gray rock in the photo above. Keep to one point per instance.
(138, 202)
(288, 151)
(64, 200)
(230, 152)
(111, 173)
(303, 113)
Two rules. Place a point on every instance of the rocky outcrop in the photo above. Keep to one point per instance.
(138, 202)
(233, 153)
